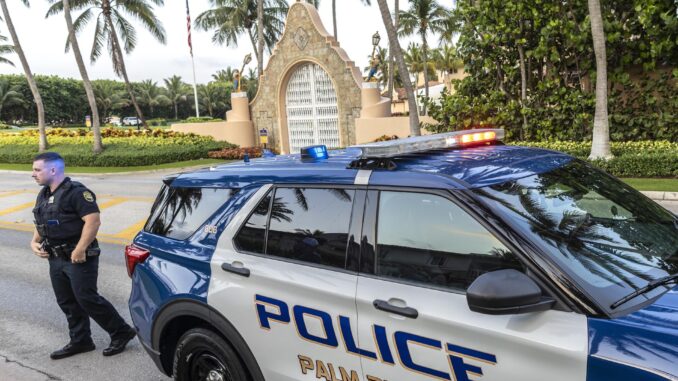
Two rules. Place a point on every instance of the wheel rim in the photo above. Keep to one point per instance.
(207, 366)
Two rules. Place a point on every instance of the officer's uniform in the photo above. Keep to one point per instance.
(58, 219)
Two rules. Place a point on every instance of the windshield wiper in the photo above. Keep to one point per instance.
(648, 287)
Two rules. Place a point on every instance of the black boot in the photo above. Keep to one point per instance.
(72, 349)
(119, 342)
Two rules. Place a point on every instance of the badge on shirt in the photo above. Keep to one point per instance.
(51, 200)
(88, 196)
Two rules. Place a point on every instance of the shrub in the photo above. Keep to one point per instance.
(384, 138)
(4, 126)
(631, 159)
(119, 151)
(157, 122)
(202, 119)
(236, 153)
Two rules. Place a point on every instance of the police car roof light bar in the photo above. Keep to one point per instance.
(398, 147)
(318, 152)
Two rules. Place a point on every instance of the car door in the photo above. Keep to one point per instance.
(414, 320)
(280, 277)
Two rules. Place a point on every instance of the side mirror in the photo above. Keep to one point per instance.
(505, 292)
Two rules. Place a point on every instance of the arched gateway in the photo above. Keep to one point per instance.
(311, 108)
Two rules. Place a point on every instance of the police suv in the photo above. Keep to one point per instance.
(443, 257)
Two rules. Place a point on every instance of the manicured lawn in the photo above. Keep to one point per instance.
(180, 164)
(661, 185)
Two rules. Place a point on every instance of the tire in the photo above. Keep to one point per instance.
(202, 354)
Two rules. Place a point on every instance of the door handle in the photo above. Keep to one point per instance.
(242, 271)
(408, 312)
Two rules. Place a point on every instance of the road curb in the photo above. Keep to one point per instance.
(661, 196)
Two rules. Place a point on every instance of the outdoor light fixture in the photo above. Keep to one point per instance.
(248, 59)
(375, 39)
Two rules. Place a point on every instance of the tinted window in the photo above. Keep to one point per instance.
(156, 209)
(428, 239)
(252, 236)
(310, 225)
(186, 209)
(607, 236)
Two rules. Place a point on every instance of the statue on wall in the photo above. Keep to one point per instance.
(236, 80)
(374, 67)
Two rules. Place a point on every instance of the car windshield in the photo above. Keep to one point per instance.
(607, 236)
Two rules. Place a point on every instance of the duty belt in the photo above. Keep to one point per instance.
(65, 250)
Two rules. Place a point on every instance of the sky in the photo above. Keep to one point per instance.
(44, 40)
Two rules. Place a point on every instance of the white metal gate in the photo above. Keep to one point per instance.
(312, 112)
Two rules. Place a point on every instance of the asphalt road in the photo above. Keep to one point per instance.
(31, 323)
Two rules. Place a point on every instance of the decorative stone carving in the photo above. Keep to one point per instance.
(301, 38)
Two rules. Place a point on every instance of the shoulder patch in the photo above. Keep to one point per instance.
(87, 195)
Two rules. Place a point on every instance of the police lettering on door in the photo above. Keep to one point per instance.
(389, 346)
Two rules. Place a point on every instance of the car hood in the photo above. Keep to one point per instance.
(646, 340)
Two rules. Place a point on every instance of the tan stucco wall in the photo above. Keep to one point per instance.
(240, 133)
(369, 129)
(305, 40)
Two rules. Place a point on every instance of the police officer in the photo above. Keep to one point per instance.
(66, 224)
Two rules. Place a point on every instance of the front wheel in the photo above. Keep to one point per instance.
(202, 355)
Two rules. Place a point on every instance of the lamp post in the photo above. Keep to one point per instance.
(248, 59)
(375, 42)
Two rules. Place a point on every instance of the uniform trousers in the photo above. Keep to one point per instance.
(75, 288)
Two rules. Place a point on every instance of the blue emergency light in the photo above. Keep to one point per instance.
(314, 153)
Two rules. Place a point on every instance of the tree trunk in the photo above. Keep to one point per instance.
(43, 144)
(600, 147)
(402, 68)
(96, 127)
(119, 64)
(523, 89)
(391, 65)
(334, 18)
(424, 49)
(256, 51)
(176, 110)
(260, 47)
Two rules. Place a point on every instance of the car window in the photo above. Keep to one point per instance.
(607, 236)
(310, 225)
(252, 236)
(186, 209)
(428, 239)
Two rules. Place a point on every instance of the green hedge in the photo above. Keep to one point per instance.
(119, 151)
(631, 159)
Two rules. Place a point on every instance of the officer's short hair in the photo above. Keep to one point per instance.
(50, 157)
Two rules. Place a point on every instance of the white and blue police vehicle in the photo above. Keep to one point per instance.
(443, 257)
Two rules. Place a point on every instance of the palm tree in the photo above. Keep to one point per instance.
(415, 62)
(5, 49)
(177, 92)
(600, 147)
(110, 23)
(402, 69)
(423, 17)
(391, 65)
(96, 127)
(42, 143)
(211, 97)
(231, 18)
(151, 95)
(225, 76)
(447, 60)
(109, 97)
(9, 95)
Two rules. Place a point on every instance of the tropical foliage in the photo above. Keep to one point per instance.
(555, 37)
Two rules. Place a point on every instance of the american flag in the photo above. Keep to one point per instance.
(188, 26)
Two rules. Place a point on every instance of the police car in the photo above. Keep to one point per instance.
(443, 257)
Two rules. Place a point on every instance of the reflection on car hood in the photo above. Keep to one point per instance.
(646, 340)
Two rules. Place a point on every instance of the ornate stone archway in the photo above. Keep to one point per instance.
(306, 48)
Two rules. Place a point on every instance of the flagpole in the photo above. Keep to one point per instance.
(190, 46)
(195, 90)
